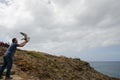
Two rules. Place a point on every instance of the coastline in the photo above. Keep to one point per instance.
(110, 68)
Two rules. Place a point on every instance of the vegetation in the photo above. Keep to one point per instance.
(42, 66)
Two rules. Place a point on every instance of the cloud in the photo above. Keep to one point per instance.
(62, 26)
(14, 13)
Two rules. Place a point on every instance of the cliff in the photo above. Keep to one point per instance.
(31, 65)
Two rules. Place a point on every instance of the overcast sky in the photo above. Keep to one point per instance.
(87, 29)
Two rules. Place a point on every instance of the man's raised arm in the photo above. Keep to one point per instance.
(23, 43)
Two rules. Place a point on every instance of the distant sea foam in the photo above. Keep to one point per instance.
(110, 68)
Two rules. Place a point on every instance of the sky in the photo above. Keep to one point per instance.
(85, 29)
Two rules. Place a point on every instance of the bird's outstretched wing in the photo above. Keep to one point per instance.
(25, 36)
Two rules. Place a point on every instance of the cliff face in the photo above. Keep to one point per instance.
(41, 66)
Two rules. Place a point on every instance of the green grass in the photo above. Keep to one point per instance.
(37, 55)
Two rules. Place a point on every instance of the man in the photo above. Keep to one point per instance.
(8, 57)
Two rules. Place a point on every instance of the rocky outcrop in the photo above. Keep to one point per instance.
(31, 65)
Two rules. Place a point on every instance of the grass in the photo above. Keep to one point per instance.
(37, 55)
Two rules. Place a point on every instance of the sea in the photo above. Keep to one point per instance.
(110, 68)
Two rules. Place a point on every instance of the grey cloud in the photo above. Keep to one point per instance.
(68, 26)
(98, 11)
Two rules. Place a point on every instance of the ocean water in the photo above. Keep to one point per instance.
(110, 68)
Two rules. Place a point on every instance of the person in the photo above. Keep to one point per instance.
(8, 57)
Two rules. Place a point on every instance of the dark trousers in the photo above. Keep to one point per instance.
(7, 63)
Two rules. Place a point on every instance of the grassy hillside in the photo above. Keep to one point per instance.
(42, 66)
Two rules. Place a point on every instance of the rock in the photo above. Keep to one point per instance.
(15, 77)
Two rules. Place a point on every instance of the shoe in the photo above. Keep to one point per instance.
(8, 78)
(1, 77)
